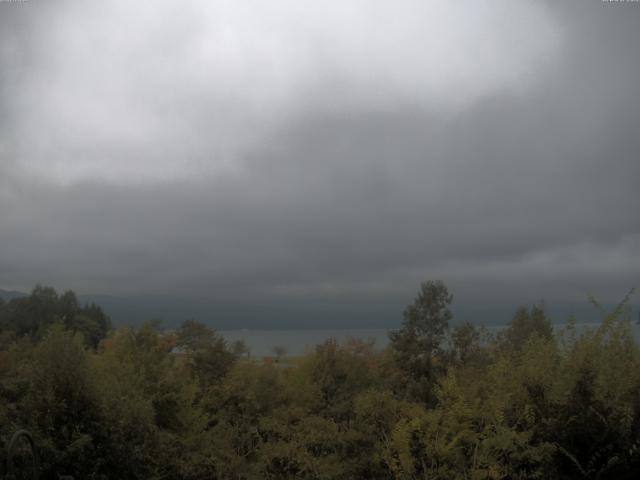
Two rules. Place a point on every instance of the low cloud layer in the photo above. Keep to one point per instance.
(291, 150)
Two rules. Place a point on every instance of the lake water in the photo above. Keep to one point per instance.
(298, 342)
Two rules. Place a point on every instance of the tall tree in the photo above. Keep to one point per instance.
(209, 356)
(33, 315)
(525, 324)
(417, 344)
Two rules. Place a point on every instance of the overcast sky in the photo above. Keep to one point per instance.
(300, 149)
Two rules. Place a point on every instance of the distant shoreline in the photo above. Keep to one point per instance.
(299, 341)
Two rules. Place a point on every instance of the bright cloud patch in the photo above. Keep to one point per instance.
(155, 90)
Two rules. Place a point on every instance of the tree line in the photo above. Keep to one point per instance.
(440, 402)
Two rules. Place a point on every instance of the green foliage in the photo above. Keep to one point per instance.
(146, 404)
(466, 343)
(33, 315)
(54, 397)
(209, 358)
(525, 324)
(417, 346)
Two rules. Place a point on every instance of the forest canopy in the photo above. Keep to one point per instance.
(442, 401)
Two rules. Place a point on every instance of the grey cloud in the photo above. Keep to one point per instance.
(520, 192)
